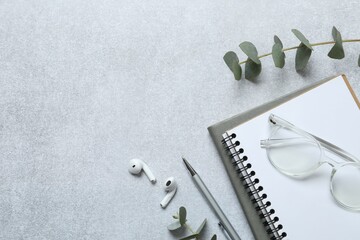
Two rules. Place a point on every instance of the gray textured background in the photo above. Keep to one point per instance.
(88, 85)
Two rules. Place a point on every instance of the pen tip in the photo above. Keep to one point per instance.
(189, 167)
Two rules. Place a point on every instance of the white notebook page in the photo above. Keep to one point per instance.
(305, 206)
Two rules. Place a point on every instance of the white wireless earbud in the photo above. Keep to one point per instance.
(136, 165)
(170, 188)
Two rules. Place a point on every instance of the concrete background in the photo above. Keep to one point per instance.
(87, 85)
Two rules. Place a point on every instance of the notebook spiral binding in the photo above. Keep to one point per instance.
(251, 184)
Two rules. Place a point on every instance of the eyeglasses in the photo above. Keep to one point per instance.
(297, 153)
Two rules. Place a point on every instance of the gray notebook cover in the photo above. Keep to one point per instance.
(216, 132)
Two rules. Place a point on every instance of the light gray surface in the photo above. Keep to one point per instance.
(88, 85)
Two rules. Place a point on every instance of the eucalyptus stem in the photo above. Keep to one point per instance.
(189, 228)
(313, 45)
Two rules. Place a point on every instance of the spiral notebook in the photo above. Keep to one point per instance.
(277, 206)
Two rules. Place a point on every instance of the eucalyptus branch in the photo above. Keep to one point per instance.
(296, 47)
(181, 223)
(303, 53)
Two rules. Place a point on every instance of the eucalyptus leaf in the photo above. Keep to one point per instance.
(174, 226)
(277, 54)
(214, 237)
(200, 228)
(192, 236)
(250, 50)
(302, 38)
(303, 54)
(232, 61)
(337, 51)
(252, 70)
(359, 61)
(277, 40)
(182, 215)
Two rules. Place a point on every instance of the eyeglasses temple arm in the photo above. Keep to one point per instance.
(275, 120)
(335, 149)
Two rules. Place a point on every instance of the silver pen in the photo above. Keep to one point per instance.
(224, 222)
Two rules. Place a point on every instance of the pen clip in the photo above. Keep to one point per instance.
(224, 230)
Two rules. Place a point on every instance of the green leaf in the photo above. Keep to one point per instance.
(214, 237)
(303, 54)
(337, 51)
(302, 38)
(232, 61)
(200, 228)
(182, 215)
(250, 50)
(192, 236)
(277, 53)
(359, 61)
(277, 40)
(174, 226)
(278, 56)
(252, 70)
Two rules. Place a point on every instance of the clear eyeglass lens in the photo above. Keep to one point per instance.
(293, 154)
(346, 185)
